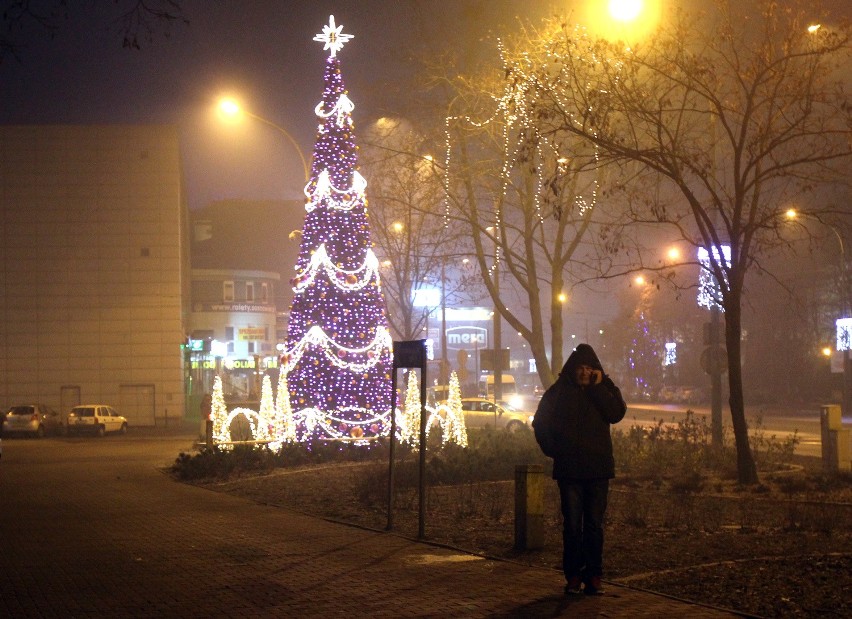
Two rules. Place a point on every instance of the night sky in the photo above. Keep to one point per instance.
(261, 51)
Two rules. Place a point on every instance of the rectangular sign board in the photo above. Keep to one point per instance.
(409, 354)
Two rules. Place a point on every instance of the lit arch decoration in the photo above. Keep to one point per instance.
(335, 198)
(315, 336)
(341, 278)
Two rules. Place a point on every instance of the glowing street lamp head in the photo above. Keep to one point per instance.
(625, 21)
(625, 10)
(229, 106)
(791, 213)
(639, 280)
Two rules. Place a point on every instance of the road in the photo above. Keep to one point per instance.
(92, 527)
(781, 423)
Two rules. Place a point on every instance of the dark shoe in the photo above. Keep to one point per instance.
(593, 586)
(573, 586)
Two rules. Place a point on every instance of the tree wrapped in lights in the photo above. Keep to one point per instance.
(455, 430)
(409, 427)
(338, 357)
(266, 414)
(283, 428)
(219, 413)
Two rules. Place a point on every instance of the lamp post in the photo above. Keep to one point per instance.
(844, 323)
(232, 109)
(497, 324)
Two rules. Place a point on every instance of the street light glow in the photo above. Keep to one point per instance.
(229, 107)
(628, 21)
(231, 110)
(625, 10)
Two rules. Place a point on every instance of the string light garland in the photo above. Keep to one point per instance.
(515, 115)
(345, 280)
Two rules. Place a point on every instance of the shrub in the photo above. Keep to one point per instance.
(222, 464)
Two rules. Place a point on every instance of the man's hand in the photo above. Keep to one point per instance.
(596, 377)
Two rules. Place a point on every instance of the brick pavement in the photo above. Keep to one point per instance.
(91, 528)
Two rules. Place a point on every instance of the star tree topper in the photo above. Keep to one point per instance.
(333, 36)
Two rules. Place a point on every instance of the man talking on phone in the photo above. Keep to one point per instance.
(572, 426)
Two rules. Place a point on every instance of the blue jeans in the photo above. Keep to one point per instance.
(583, 508)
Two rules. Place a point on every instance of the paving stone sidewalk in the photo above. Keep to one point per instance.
(95, 529)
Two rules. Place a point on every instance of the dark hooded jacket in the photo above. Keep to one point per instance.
(572, 422)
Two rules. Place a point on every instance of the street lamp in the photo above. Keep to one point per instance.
(231, 108)
(624, 20)
(844, 323)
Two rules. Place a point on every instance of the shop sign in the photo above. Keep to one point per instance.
(251, 334)
(465, 338)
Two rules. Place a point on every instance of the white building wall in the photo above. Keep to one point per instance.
(91, 265)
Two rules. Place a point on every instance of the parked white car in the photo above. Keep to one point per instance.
(480, 413)
(96, 419)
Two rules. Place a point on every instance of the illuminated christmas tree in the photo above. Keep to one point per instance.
(338, 358)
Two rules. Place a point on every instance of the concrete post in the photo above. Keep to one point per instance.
(529, 506)
(835, 439)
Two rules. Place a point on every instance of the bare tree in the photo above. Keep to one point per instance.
(527, 204)
(738, 112)
(413, 244)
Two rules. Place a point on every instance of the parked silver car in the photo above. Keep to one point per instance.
(34, 419)
(96, 419)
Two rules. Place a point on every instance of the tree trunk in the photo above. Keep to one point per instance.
(746, 469)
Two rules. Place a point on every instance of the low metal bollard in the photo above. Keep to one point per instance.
(835, 440)
(529, 506)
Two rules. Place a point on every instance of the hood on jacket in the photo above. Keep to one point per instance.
(582, 355)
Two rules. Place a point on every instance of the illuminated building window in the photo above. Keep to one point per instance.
(249, 291)
(228, 291)
(671, 353)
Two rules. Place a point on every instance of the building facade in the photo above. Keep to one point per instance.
(233, 331)
(94, 266)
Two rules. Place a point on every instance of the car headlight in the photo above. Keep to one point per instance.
(516, 401)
